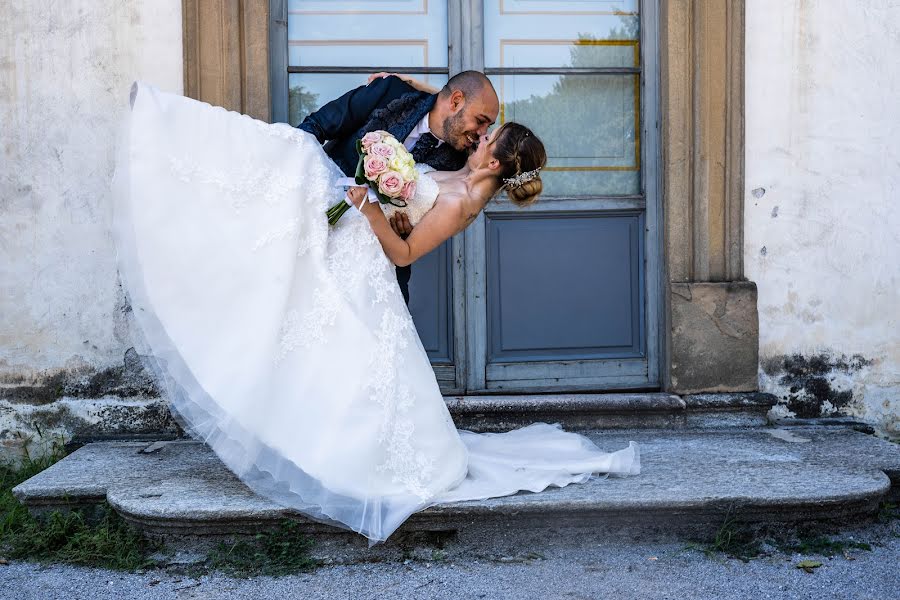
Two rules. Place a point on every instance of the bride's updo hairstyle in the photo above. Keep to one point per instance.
(522, 156)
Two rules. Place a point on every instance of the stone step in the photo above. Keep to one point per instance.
(690, 481)
(503, 412)
(611, 410)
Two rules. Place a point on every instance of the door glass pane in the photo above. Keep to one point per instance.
(588, 124)
(532, 33)
(397, 33)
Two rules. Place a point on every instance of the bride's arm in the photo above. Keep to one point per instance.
(440, 223)
(419, 85)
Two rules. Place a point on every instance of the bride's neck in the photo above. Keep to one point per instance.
(481, 183)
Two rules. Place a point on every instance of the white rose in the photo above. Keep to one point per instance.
(397, 163)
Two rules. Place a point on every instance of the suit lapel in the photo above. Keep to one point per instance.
(408, 122)
(400, 116)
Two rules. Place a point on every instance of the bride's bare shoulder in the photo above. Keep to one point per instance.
(454, 196)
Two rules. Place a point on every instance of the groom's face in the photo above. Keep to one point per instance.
(470, 118)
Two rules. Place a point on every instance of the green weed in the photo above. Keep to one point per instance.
(92, 537)
(281, 551)
(820, 544)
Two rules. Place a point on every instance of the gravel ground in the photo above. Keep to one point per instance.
(568, 570)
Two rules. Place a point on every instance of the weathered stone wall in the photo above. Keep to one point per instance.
(822, 215)
(65, 72)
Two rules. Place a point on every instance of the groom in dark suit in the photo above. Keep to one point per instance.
(439, 129)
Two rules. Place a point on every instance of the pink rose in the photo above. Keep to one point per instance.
(390, 184)
(409, 191)
(374, 166)
(370, 138)
(382, 149)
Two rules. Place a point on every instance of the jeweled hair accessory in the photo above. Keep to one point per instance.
(518, 180)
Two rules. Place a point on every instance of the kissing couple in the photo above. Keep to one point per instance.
(284, 342)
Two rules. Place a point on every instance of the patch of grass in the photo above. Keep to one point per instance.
(888, 511)
(98, 537)
(821, 544)
(282, 551)
(732, 540)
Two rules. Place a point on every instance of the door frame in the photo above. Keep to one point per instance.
(228, 45)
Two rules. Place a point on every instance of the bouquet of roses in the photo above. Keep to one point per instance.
(387, 167)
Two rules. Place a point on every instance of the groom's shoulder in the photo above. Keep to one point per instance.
(392, 87)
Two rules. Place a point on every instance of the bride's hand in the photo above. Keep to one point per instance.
(419, 85)
(357, 195)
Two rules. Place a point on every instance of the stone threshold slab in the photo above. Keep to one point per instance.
(690, 480)
(611, 410)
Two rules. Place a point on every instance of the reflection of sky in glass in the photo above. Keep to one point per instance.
(533, 21)
(356, 6)
(407, 54)
(371, 30)
(580, 7)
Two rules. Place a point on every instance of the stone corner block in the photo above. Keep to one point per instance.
(714, 337)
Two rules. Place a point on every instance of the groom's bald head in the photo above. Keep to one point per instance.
(470, 83)
(465, 108)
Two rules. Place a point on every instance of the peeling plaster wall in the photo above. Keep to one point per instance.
(822, 204)
(65, 72)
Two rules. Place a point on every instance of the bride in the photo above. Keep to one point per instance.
(285, 344)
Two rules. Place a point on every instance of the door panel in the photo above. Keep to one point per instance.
(563, 286)
(430, 303)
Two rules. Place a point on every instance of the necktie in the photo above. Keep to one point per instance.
(424, 145)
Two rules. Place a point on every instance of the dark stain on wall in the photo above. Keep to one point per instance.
(129, 379)
(808, 380)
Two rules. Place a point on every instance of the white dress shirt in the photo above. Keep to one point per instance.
(417, 132)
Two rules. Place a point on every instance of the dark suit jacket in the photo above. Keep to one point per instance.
(388, 104)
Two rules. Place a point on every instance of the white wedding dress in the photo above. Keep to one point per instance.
(285, 344)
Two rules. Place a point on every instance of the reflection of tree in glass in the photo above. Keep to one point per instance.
(585, 120)
(300, 104)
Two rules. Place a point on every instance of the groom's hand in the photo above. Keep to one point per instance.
(400, 224)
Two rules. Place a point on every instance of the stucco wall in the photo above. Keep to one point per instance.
(822, 209)
(65, 72)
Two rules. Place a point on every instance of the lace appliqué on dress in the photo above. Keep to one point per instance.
(276, 234)
(354, 255)
(255, 182)
(305, 331)
(408, 467)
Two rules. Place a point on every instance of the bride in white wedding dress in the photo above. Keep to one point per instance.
(285, 344)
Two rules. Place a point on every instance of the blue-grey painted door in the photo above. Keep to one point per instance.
(561, 296)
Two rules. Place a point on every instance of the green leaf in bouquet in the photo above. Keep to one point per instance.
(360, 175)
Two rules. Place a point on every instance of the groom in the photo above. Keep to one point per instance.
(438, 129)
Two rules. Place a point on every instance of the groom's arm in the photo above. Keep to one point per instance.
(347, 114)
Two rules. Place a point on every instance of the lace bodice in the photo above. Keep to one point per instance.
(426, 193)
